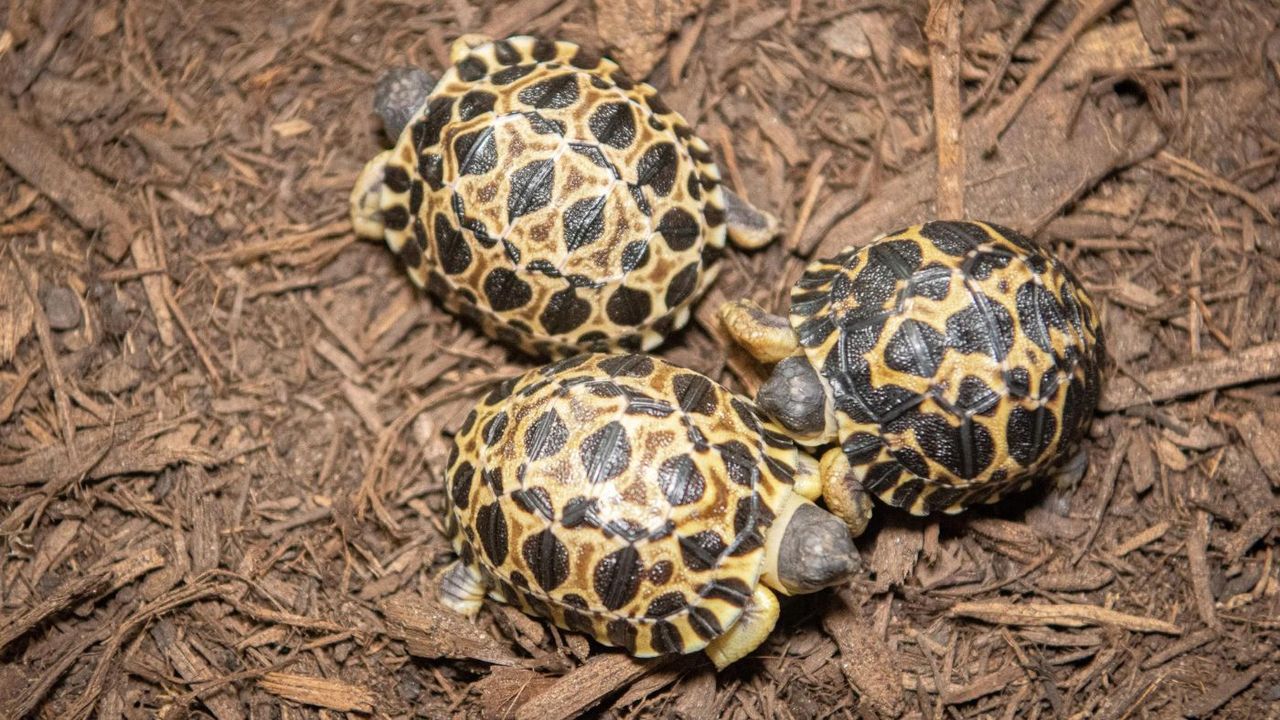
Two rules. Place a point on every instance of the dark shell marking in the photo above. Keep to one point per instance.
(603, 514)
(964, 360)
(554, 201)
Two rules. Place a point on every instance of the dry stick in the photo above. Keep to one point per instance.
(166, 292)
(1181, 647)
(249, 252)
(1235, 684)
(1187, 170)
(1199, 567)
(45, 335)
(1063, 614)
(1108, 487)
(149, 254)
(813, 183)
(1005, 113)
(1150, 535)
(680, 50)
(1261, 362)
(943, 30)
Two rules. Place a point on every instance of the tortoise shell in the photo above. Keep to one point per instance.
(619, 496)
(556, 202)
(963, 360)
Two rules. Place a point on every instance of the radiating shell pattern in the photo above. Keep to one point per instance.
(963, 359)
(557, 203)
(619, 496)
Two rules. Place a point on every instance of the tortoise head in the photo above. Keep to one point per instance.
(809, 549)
(797, 398)
(400, 92)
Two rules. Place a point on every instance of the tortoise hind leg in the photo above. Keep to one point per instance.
(749, 228)
(462, 589)
(766, 336)
(752, 628)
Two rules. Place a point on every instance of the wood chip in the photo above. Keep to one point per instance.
(433, 631)
(638, 29)
(758, 23)
(320, 692)
(192, 667)
(17, 312)
(988, 684)
(97, 582)
(1146, 537)
(579, 690)
(506, 19)
(1179, 647)
(1064, 615)
(1261, 432)
(129, 448)
(1001, 118)
(34, 156)
(872, 668)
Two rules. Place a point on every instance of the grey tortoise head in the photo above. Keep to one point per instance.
(400, 92)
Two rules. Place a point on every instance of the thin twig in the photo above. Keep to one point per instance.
(1261, 362)
(45, 334)
(943, 30)
(1104, 498)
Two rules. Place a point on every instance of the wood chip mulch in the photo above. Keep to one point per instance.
(222, 416)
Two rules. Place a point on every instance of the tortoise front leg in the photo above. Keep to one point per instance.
(752, 628)
(768, 337)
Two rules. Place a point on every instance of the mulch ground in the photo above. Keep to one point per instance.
(222, 417)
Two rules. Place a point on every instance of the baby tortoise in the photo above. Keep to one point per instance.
(637, 502)
(952, 361)
(542, 193)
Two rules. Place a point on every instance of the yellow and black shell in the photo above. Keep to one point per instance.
(556, 202)
(963, 360)
(619, 496)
